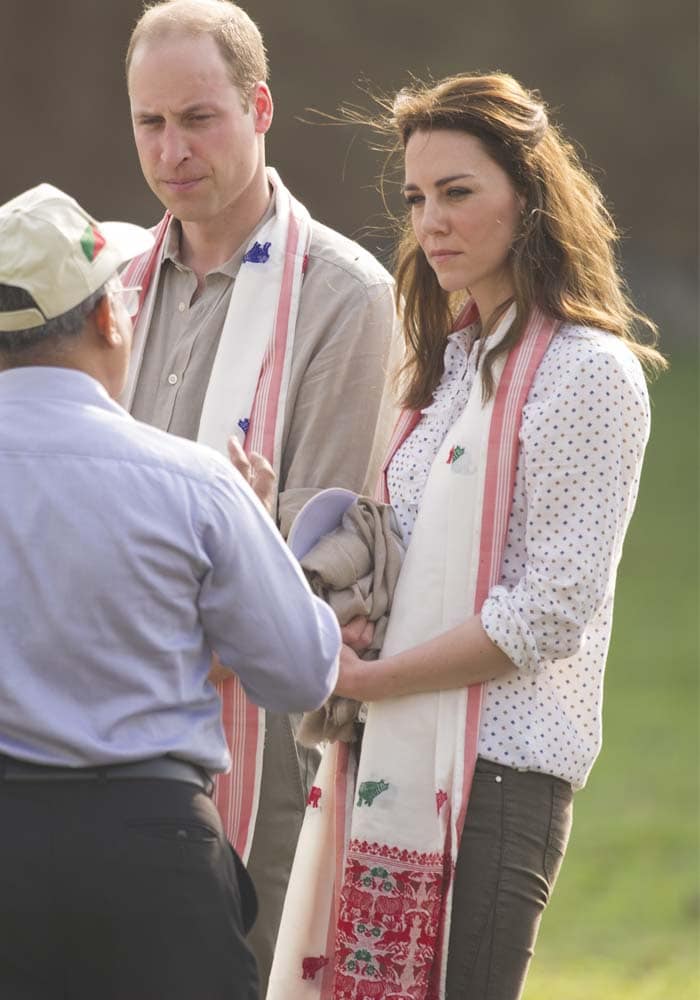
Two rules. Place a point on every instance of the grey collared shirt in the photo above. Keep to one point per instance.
(183, 338)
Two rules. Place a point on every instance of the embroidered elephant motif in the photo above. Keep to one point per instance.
(310, 966)
(258, 254)
(359, 901)
(369, 790)
(371, 988)
(314, 796)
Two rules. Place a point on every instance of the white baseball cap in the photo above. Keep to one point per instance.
(55, 251)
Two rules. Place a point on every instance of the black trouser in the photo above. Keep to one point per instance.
(514, 839)
(120, 890)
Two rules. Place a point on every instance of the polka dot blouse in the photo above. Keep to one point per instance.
(584, 429)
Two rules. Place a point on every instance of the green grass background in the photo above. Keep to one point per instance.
(623, 921)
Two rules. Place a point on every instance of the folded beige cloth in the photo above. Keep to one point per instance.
(354, 569)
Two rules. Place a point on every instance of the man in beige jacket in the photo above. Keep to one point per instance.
(200, 106)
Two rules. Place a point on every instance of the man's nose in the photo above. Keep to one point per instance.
(174, 147)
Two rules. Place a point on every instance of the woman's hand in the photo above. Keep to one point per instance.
(358, 633)
(462, 656)
(256, 470)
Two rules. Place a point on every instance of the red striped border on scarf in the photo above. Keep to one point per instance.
(263, 419)
(340, 816)
(235, 791)
(502, 450)
(140, 270)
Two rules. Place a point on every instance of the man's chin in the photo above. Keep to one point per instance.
(188, 206)
(185, 210)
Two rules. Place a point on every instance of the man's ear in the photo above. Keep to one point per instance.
(106, 322)
(263, 107)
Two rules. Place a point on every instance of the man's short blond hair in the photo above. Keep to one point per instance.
(237, 36)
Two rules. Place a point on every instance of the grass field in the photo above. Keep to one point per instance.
(623, 923)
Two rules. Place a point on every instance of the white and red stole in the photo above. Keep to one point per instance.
(369, 902)
(246, 396)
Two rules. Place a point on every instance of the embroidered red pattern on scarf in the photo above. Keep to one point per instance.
(388, 925)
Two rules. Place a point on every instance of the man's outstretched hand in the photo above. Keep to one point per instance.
(257, 472)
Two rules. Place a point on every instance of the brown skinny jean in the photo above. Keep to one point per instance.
(513, 843)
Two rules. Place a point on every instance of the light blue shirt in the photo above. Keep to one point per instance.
(126, 556)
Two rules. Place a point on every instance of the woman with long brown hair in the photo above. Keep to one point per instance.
(513, 474)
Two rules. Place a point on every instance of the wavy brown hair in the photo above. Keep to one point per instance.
(564, 257)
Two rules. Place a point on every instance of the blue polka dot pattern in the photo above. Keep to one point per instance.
(584, 429)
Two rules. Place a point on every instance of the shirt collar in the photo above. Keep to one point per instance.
(464, 338)
(45, 382)
(231, 267)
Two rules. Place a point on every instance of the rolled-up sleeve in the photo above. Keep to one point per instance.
(256, 607)
(583, 433)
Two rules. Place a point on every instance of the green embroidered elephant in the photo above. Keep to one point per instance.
(369, 790)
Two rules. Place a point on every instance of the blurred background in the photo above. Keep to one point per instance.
(622, 80)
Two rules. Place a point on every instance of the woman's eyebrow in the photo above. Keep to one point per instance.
(441, 182)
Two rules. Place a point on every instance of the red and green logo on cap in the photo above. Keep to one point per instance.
(92, 242)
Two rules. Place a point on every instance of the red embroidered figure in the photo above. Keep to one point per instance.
(315, 794)
(371, 988)
(440, 799)
(310, 966)
(344, 985)
(388, 920)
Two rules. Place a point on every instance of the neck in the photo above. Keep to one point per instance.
(86, 366)
(492, 301)
(207, 244)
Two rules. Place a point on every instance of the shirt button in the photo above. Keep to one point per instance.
(172, 378)
(498, 778)
(182, 307)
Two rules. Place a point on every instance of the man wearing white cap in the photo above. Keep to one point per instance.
(127, 557)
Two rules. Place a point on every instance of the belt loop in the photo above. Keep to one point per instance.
(208, 780)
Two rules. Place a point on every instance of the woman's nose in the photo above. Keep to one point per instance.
(433, 218)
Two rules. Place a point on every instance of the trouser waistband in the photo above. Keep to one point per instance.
(166, 768)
